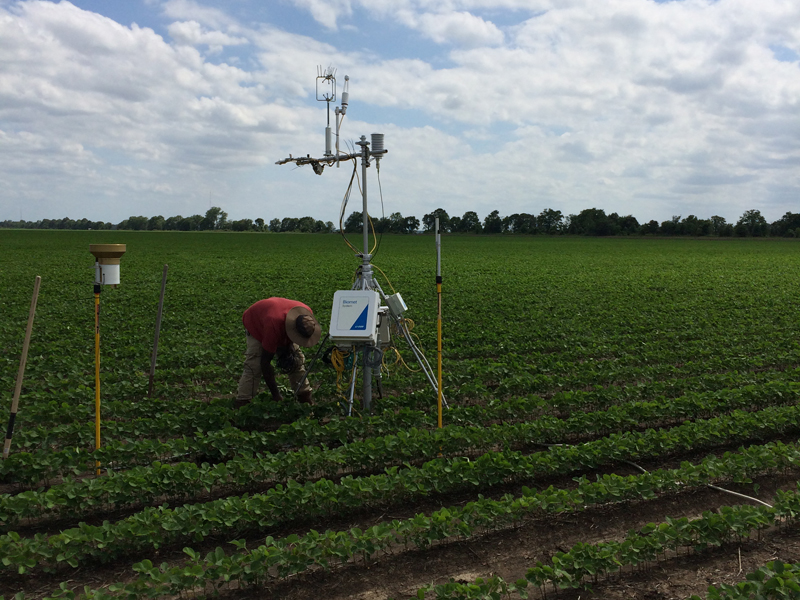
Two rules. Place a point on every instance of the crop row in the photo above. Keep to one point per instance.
(179, 481)
(774, 581)
(584, 563)
(282, 558)
(51, 424)
(221, 445)
(157, 527)
(547, 378)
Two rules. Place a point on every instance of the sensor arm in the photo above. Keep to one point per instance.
(325, 160)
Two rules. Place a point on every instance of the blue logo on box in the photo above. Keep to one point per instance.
(361, 322)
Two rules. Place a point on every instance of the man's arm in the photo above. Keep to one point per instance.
(269, 375)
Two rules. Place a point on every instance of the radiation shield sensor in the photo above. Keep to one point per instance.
(354, 317)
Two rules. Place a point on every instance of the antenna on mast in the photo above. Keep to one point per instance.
(326, 92)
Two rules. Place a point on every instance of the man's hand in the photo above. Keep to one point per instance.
(268, 373)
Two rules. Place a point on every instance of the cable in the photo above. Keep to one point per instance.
(339, 362)
(383, 209)
(385, 277)
(714, 487)
(402, 360)
(374, 245)
(643, 470)
(313, 362)
(344, 207)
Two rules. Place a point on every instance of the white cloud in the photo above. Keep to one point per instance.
(189, 10)
(666, 106)
(326, 12)
(192, 34)
(458, 28)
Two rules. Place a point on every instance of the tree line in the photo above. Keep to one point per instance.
(590, 222)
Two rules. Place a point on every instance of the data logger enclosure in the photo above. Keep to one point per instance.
(384, 335)
(354, 317)
(396, 304)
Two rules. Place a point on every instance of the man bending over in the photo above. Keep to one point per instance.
(276, 327)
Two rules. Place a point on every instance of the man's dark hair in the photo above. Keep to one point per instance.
(305, 325)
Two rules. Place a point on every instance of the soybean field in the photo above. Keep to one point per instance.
(623, 421)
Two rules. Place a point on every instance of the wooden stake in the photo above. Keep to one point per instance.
(23, 360)
(158, 331)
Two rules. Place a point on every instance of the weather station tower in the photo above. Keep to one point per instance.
(363, 317)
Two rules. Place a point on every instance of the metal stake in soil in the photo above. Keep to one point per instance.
(158, 331)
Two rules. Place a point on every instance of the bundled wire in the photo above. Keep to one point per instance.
(341, 360)
(345, 200)
(383, 212)
(344, 207)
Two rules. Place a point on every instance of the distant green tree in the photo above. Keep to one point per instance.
(156, 223)
(493, 223)
(289, 224)
(242, 225)
(410, 224)
(690, 226)
(591, 221)
(323, 227)
(786, 226)
(470, 223)
(191, 223)
(259, 224)
(134, 223)
(429, 220)
(753, 224)
(520, 223)
(354, 223)
(173, 223)
(550, 221)
(671, 227)
(717, 224)
(649, 228)
(382, 225)
(275, 225)
(396, 223)
(627, 225)
(306, 225)
(215, 218)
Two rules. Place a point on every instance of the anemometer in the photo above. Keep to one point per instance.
(361, 316)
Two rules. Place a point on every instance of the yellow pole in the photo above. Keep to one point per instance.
(97, 373)
(439, 316)
(439, 346)
(106, 272)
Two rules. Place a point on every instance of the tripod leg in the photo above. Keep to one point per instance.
(352, 388)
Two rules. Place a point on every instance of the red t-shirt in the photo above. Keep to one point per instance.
(266, 321)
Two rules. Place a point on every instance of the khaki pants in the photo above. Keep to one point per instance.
(251, 376)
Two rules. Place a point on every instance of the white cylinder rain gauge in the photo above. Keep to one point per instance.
(106, 266)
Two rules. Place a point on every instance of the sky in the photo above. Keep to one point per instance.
(113, 108)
